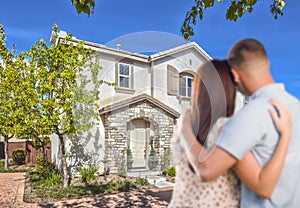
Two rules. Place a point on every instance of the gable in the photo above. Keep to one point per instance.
(117, 106)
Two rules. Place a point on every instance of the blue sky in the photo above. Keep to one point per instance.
(116, 20)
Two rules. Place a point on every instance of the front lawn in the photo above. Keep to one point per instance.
(45, 184)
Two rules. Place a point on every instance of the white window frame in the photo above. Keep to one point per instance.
(188, 90)
(124, 76)
(124, 89)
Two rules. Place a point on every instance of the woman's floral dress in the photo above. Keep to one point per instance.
(190, 191)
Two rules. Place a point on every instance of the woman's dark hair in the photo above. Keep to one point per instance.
(213, 96)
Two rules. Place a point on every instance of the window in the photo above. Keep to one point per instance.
(124, 76)
(246, 99)
(185, 86)
(179, 84)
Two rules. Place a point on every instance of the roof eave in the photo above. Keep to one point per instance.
(139, 98)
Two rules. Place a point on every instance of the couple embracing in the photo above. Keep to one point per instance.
(249, 159)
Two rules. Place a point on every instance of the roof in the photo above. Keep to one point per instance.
(135, 56)
(136, 99)
(101, 48)
(178, 49)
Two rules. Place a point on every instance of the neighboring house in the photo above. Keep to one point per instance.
(150, 94)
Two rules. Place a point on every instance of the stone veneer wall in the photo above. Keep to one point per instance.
(115, 124)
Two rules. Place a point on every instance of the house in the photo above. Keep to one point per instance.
(139, 112)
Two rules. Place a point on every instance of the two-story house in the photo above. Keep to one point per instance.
(150, 93)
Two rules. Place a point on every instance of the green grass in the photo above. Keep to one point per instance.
(10, 170)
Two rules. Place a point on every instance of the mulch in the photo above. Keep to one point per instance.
(144, 196)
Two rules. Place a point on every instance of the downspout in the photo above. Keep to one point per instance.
(152, 77)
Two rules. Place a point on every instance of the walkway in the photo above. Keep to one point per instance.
(153, 178)
(12, 190)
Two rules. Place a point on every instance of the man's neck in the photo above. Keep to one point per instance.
(261, 84)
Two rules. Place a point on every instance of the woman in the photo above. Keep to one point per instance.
(213, 100)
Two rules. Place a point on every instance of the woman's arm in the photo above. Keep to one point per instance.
(260, 180)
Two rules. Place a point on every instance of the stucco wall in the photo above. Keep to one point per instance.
(109, 94)
(185, 61)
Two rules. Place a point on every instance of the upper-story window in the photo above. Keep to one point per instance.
(185, 86)
(179, 84)
(124, 75)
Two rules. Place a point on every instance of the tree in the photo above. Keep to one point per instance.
(85, 6)
(236, 9)
(67, 88)
(17, 96)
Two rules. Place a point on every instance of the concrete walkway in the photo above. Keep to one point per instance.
(12, 192)
(153, 178)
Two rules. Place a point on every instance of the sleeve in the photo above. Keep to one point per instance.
(245, 129)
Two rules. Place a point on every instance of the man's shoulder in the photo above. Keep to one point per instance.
(257, 107)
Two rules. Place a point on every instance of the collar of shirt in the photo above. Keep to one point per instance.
(267, 89)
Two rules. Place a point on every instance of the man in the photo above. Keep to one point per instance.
(252, 129)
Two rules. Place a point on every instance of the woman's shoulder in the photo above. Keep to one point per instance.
(219, 124)
(215, 131)
(222, 120)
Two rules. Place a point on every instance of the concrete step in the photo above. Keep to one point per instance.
(152, 177)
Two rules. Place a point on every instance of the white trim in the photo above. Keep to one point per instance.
(180, 49)
(133, 56)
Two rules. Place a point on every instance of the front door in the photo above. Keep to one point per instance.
(137, 142)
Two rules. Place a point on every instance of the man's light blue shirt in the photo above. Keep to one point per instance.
(252, 128)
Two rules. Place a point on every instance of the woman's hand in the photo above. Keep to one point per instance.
(282, 117)
(263, 181)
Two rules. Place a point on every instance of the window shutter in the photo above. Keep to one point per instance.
(172, 81)
(117, 74)
(131, 84)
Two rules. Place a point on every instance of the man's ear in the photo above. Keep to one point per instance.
(236, 75)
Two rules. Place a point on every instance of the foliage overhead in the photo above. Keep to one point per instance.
(85, 6)
(235, 10)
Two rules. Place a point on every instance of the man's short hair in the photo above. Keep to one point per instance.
(243, 49)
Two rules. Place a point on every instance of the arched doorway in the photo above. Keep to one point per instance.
(139, 131)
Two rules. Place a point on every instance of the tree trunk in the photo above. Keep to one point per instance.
(6, 152)
(64, 161)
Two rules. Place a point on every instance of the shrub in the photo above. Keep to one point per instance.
(87, 174)
(19, 156)
(129, 154)
(152, 155)
(141, 181)
(53, 179)
(1, 164)
(172, 171)
(44, 167)
(165, 172)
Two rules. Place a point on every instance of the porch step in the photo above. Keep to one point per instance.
(152, 177)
